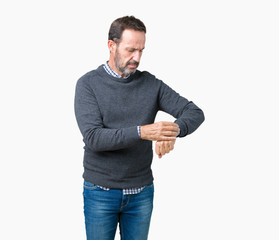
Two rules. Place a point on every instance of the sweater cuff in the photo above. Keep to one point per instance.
(178, 131)
(183, 129)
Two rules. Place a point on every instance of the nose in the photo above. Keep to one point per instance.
(137, 56)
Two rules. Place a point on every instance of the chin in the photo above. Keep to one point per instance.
(130, 71)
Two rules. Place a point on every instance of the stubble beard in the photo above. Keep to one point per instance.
(122, 67)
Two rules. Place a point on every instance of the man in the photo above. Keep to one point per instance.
(115, 107)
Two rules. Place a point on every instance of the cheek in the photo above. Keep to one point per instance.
(128, 56)
(126, 59)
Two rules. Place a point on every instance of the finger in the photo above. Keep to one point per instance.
(162, 149)
(157, 150)
(171, 145)
(166, 123)
(167, 147)
(168, 133)
(165, 138)
(172, 128)
(168, 126)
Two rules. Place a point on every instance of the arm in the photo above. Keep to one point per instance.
(89, 120)
(99, 138)
(188, 116)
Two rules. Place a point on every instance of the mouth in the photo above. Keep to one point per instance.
(133, 64)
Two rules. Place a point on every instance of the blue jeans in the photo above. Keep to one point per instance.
(104, 209)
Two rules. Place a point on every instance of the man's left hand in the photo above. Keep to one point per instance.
(164, 147)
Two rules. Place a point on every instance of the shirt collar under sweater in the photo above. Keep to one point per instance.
(111, 72)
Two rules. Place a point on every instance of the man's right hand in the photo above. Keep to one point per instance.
(160, 131)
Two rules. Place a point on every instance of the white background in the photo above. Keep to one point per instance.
(219, 183)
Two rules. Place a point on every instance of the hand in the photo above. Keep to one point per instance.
(163, 147)
(160, 131)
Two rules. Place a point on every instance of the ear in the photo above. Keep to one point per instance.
(111, 45)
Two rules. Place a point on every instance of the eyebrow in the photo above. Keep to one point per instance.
(131, 48)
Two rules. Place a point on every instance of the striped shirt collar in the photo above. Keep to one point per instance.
(111, 72)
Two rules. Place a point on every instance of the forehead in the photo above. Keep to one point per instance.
(133, 38)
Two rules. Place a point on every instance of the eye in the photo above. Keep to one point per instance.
(131, 50)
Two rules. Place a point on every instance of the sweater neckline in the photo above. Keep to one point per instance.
(103, 73)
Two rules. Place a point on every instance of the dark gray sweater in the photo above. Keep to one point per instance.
(108, 111)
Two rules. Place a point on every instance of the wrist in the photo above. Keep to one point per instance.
(142, 132)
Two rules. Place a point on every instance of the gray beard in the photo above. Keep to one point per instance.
(125, 71)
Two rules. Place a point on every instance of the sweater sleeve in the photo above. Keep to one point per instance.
(188, 116)
(89, 119)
